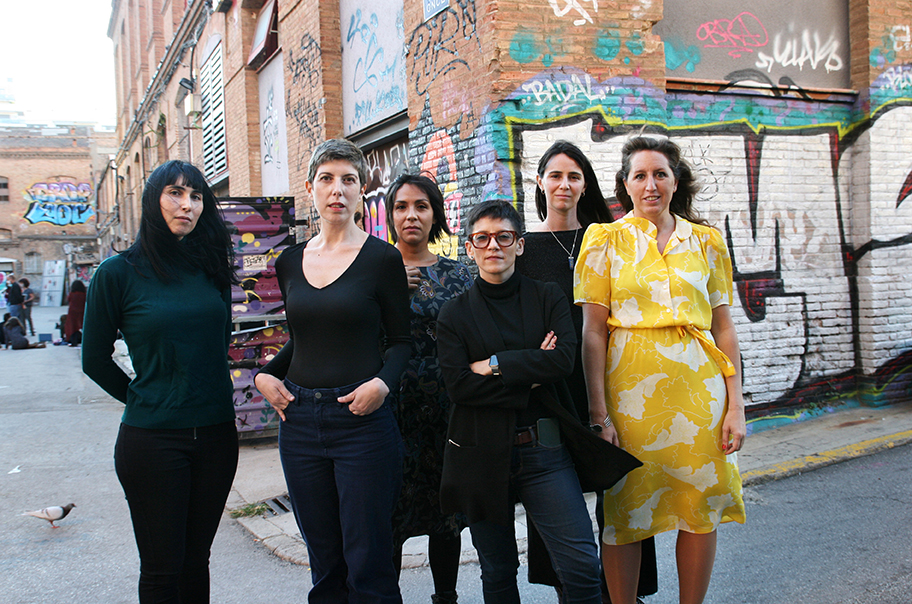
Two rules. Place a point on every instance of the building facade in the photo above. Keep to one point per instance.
(47, 196)
(798, 122)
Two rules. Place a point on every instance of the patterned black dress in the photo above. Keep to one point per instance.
(423, 408)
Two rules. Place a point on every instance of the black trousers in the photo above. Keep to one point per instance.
(176, 483)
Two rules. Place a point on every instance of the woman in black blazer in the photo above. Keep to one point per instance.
(505, 347)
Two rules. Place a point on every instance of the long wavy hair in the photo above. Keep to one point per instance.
(688, 186)
(435, 198)
(592, 206)
(206, 248)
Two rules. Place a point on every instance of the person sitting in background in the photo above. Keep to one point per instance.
(6, 317)
(14, 335)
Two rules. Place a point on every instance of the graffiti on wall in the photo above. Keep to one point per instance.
(373, 63)
(59, 203)
(305, 65)
(806, 282)
(273, 131)
(576, 9)
(260, 229)
(434, 44)
(711, 39)
(536, 45)
(384, 163)
(895, 39)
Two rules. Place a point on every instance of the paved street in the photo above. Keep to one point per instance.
(838, 535)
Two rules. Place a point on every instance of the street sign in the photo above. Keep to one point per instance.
(432, 7)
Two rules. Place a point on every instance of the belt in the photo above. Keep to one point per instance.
(525, 436)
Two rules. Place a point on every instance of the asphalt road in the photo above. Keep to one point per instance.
(838, 535)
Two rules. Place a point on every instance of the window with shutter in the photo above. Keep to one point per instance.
(212, 101)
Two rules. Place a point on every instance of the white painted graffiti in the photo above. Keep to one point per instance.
(574, 5)
(566, 91)
(785, 244)
(796, 52)
(899, 78)
(902, 37)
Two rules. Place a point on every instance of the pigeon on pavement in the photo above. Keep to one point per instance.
(52, 513)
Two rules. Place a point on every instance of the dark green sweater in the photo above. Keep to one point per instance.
(177, 334)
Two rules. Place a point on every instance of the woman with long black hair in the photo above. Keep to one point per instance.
(176, 453)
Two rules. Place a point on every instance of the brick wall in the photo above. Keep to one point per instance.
(51, 175)
(810, 187)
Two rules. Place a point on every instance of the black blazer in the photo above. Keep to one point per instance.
(482, 427)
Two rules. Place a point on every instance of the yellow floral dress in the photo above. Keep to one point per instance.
(664, 376)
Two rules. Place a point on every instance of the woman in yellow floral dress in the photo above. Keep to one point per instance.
(659, 281)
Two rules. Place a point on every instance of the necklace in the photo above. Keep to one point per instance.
(570, 258)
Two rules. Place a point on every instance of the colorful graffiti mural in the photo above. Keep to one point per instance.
(384, 163)
(59, 203)
(817, 262)
(260, 229)
(248, 351)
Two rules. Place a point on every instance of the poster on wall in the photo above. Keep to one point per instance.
(373, 62)
(52, 282)
(273, 137)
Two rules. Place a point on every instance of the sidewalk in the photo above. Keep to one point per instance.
(769, 455)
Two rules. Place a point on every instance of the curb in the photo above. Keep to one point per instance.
(824, 458)
(293, 550)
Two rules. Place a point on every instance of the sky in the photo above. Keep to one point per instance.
(60, 59)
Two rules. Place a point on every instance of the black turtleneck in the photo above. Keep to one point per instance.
(502, 300)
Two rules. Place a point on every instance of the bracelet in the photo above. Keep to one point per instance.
(607, 422)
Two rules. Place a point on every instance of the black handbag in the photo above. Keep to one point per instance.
(599, 464)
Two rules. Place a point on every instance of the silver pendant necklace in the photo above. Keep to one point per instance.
(570, 258)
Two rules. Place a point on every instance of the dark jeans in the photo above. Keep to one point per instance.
(25, 317)
(176, 482)
(343, 473)
(545, 481)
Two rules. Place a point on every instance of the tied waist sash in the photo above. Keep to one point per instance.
(721, 359)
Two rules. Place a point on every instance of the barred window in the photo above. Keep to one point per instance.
(4, 188)
(33, 263)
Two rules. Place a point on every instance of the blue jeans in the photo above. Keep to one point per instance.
(343, 473)
(176, 482)
(546, 483)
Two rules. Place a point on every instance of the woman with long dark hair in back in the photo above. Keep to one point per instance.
(176, 454)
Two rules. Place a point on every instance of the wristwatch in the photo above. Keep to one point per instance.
(492, 362)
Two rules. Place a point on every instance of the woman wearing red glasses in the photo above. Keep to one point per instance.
(505, 348)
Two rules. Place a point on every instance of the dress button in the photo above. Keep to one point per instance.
(318, 395)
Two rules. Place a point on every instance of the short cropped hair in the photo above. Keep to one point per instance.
(338, 149)
(495, 209)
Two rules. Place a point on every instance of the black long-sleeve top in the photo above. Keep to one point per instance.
(545, 258)
(337, 332)
(502, 300)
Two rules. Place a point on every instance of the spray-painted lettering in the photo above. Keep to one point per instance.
(574, 5)
(797, 52)
(742, 34)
